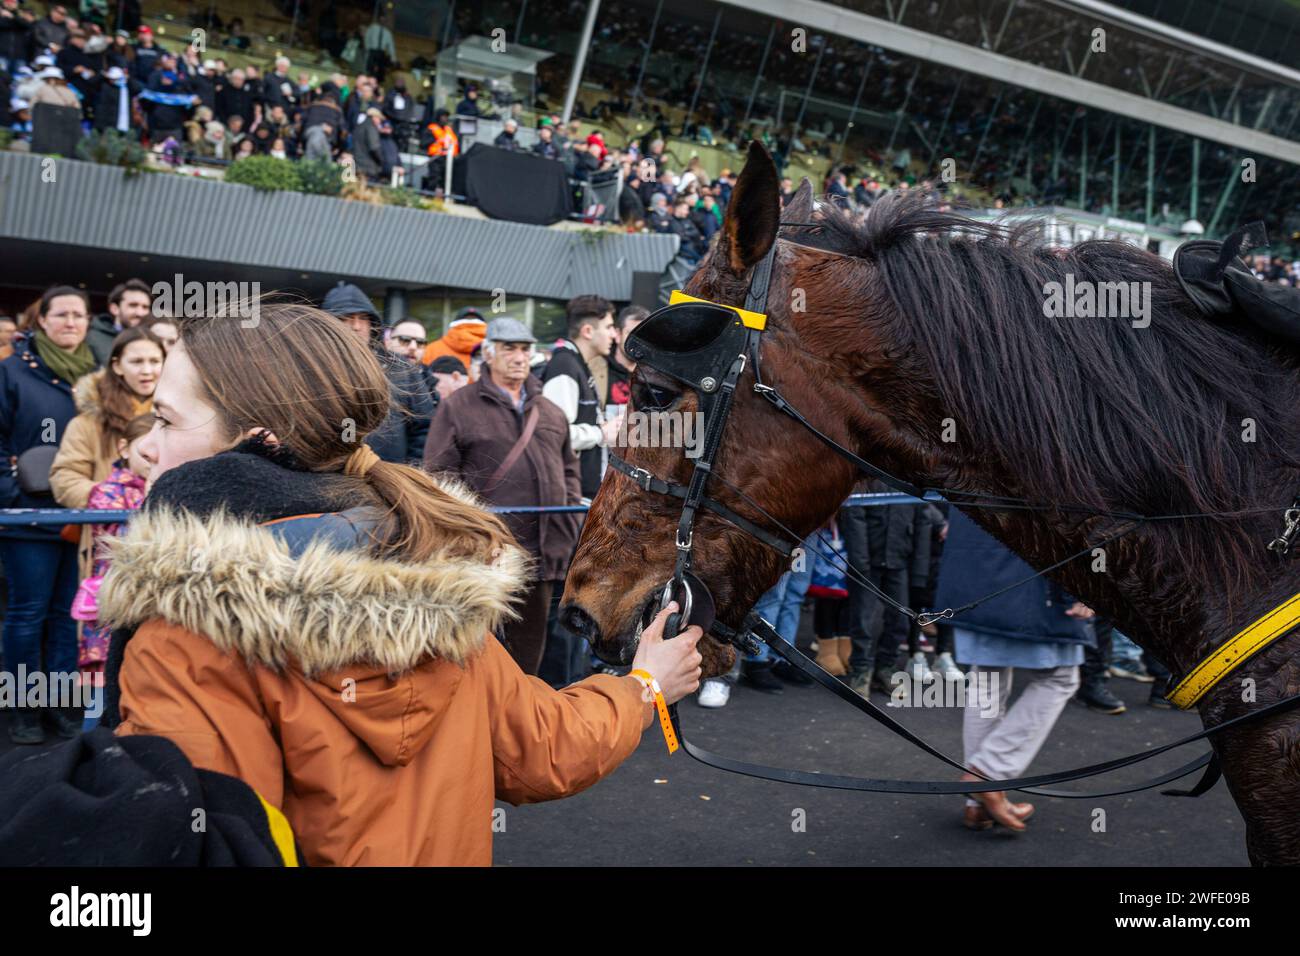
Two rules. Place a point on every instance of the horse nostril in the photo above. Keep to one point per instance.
(573, 618)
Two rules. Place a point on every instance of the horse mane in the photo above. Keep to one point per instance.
(1084, 411)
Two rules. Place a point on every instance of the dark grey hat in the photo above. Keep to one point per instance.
(508, 330)
(347, 299)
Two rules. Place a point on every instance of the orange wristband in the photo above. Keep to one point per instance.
(665, 720)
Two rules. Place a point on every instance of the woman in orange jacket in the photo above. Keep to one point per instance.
(318, 623)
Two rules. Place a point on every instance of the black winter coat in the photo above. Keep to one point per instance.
(31, 398)
(15, 38)
(402, 436)
(106, 103)
(232, 101)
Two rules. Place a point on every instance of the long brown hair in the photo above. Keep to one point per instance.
(307, 379)
(116, 400)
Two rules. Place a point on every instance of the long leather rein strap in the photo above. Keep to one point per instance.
(1041, 785)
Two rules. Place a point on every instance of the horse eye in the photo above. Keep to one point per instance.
(649, 396)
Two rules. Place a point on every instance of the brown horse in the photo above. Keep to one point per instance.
(918, 339)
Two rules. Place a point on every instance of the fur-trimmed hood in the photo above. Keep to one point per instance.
(241, 586)
(86, 393)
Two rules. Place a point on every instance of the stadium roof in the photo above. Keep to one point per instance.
(185, 218)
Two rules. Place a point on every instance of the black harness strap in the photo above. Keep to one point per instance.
(648, 482)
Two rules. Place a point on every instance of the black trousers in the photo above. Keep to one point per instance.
(876, 628)
(1097, 659)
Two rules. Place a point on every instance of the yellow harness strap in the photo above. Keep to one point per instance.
(751, 320)
(281, 832)
(1234, 652)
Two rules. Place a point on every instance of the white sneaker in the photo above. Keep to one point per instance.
(714, 693)
(918, 669)
(947, 668)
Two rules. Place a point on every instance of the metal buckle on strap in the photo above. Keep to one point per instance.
(685, 545)
(1282, 545)
(929, 617)
(641, 477)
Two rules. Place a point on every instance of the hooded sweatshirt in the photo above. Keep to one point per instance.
(461, 338)
(402, 436)
(364, 697)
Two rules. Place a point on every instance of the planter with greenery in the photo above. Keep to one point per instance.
(111, 148)
(320, 177)
(266, 173)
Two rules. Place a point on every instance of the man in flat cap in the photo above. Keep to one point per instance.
(510, 444)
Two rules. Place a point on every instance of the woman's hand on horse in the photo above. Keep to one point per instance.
(1080, 610)
(674, 664)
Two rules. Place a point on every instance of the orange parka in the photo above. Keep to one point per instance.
(366, 698)
(459, 342)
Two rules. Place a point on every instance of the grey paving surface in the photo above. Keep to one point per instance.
(661, 810)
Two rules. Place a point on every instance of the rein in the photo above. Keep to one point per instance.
(713, 374)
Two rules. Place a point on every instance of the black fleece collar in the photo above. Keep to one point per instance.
(253, 480)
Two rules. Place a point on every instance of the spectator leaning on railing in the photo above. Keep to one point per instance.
(107, 402)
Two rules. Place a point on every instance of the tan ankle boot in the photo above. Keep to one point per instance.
(846, 651)
(829, 657)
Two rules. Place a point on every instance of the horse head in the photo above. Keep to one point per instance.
(767, 469)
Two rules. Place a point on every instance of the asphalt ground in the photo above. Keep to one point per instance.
(662, 810)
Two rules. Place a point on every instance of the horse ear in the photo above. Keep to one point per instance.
(800, 206)
(754, 212)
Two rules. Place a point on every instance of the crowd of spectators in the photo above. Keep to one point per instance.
(191, 105)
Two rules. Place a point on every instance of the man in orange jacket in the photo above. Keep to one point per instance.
(465, 332)
(439, 138)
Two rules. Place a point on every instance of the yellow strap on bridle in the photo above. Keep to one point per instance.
(751, 320)
(1234, 652)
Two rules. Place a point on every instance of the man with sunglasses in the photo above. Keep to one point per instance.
(407, 339)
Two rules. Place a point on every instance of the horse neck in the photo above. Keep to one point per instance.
(1147, 589)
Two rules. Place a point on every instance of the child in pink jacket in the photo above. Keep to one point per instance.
(122, 490)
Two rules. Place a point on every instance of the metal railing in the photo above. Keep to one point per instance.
(57, 517)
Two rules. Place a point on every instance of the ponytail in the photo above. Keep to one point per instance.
(428, 516)
(301, 375)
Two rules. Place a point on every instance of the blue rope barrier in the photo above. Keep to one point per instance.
(57, 517)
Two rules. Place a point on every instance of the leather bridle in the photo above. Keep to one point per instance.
(712, 368)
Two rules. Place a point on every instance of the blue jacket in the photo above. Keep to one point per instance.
(975, 564)
(30, 395)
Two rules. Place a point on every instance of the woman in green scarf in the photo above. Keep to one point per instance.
(36, 405)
